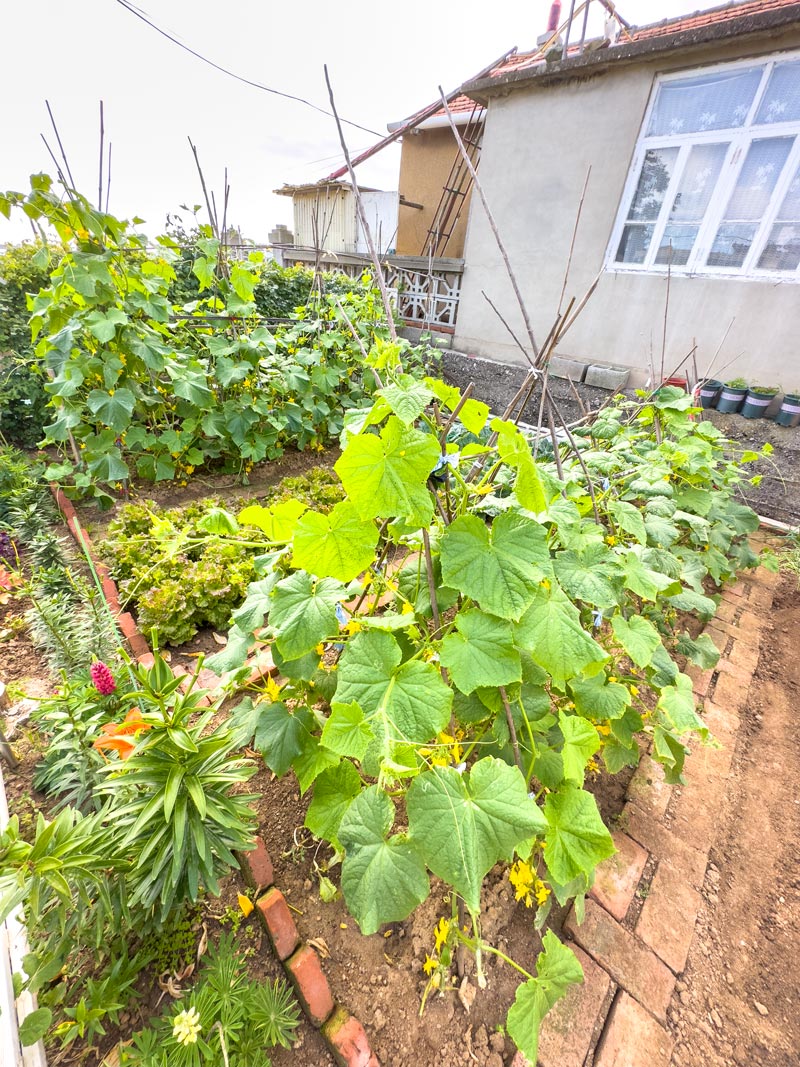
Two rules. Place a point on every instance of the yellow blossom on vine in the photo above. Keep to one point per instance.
(319, 649)
(353, 626)
(273, 689)
(440, 932)
(541, 892)
(430, 964)
(611, 540)
(634, 690)
(407, 609)
(602, 728)
(522, 879)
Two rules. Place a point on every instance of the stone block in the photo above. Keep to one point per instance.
(701, 680)
(616, 879)
(666, 846)
(732, 689)
(633, 1038)
(568, 1028)
(630, 963)
(613, 378)
(310, 984)
(648, 788)
(348, 1041)
(564, 367)
(668, 917)
(279, 922)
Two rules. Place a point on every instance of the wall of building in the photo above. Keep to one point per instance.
(538, 145)
(425, 163)
(380, 209)
(325, 218)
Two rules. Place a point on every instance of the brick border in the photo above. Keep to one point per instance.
(343, 1033)
(638, 949)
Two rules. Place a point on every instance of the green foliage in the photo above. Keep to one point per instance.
(227, 1018)
(175, 811)
(149, 390)
(446, 715)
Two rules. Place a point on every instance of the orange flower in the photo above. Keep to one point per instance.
(120, 737)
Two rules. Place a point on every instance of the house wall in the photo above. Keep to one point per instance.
(328, 213)
(539, 143)
(380, 209)
(425, 162)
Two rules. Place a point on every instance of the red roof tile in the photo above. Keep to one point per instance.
(710, 17)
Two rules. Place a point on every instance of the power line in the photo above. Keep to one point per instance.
(231, 74)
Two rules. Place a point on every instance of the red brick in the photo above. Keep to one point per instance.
(737, 589)
(311, 985)
(257, 865)
(348, 1041)
(768, 579)
(727, 609)
(668, 917)
(761, 599)
(147, 660)
(633, 1038)
(568, 1028)
(127, 624)
(616, 879)
(701, 680)
(665, 845)
(627, 960)
(280, 924)
(722, 722)
(262, 666)
(648, 789)
(745, 653)
(732, 689)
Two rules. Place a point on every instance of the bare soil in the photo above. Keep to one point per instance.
(738, 1002)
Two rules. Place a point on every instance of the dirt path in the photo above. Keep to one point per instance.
(739, 999)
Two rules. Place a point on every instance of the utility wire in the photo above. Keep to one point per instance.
(231, 74)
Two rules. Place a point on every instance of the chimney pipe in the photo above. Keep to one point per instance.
(555, 16)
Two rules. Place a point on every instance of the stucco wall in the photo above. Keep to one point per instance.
(538, 145)
(425, 163)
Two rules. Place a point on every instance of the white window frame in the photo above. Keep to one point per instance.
(739, 140)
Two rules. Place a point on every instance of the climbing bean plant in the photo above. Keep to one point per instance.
(463, 633)
(140, 387)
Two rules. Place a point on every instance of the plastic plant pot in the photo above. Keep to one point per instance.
(756, 403)
(789, 415)
(709, 393)
(731, 398)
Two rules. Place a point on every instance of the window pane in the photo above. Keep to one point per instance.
(697, 182)
(676, 244)
(781, 101)
(731, 245)
(718, 101)
(634, 243)
(782, 250)
(653, 181)
(757, 178)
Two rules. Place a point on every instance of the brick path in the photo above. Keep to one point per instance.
(632, 952)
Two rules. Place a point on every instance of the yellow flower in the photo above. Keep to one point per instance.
(429, 966)
(602, 728)
(541, 892)
(523, 880)
(440, 932)
(353, 626)
(319, 649)
(611, 540)
(245, 903)
(408, 609)
(273, 689)
(634, 690)
(186, 1027)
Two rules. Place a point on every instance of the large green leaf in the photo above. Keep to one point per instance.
(551, 631)
(280, 734)
(278, 522)
(339, 544)
(347, 731)
(677, 705)
(628, 518)
(463, 824)
(383, 878)
(637, 636)
(386, 476)
(481, 652)
(109, 467)
(334, 791)
(576, 839)
(587, 575)
(499, 568)
(405, 702)
(407, 397)
(701, 650)
(112, 408)
(103, 324)
(303, 612)
(598, 698)
(581, 741)
(556, 970)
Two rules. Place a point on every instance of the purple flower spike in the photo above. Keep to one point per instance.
(102, 679)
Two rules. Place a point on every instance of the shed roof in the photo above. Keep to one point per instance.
(734, 19)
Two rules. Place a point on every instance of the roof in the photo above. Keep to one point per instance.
(684, 32)
(320, 187)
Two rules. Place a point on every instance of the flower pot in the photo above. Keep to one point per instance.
(789, 415)
(731, 398)
(756, 403)
(709, 393)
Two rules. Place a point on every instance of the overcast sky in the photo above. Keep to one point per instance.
(385, 60)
